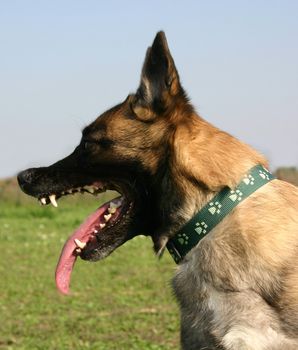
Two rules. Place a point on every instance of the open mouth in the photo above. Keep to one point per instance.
(94, 234)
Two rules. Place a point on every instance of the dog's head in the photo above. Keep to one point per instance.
(156, 152)
(127, 149)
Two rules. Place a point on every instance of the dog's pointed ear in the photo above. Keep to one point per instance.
(159, 80)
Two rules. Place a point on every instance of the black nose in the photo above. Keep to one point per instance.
(25, 177)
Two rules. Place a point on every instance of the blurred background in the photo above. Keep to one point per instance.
(63, 63)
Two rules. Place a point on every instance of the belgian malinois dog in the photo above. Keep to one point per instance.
(238, 286)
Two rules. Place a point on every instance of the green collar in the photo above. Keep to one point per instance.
(214, 211)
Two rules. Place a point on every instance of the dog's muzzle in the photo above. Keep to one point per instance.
(26, 178)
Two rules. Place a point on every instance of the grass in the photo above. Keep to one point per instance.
(123, 302)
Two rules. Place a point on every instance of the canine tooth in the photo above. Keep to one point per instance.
(95, 231)
(53, 200)
(102, 225)
(107, 217)
(80, 244)
(112, 210)
(43, 201)
(78, 250)
(89, 189)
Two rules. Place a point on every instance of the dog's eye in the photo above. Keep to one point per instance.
(87, 145)
(105, 143)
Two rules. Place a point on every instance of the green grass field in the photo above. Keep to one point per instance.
(123, 302)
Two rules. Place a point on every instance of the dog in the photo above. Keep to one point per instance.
(237, 287)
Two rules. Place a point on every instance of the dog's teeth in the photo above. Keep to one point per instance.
(112, 210)
(69, 191)
(95, 231)
(107, 217)
(43, 201)
(115, 205)
(80, 244)
(89, 189)
(78, 250)
(52, 198)
(102, 225)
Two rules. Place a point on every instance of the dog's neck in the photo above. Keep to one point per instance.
(203, 164)
(208, 160)
(210, 157)
(207, 218)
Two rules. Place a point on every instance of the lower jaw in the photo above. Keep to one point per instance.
(85, 241)
(110, 237)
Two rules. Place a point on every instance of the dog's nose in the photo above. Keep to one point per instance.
(25, 177)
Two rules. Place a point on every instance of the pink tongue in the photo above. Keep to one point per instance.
(68, 256)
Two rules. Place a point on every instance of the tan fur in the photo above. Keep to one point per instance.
(202, 150)
(253, 252)
(238, 288)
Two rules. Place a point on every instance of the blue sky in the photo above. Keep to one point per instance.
(62, 63)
